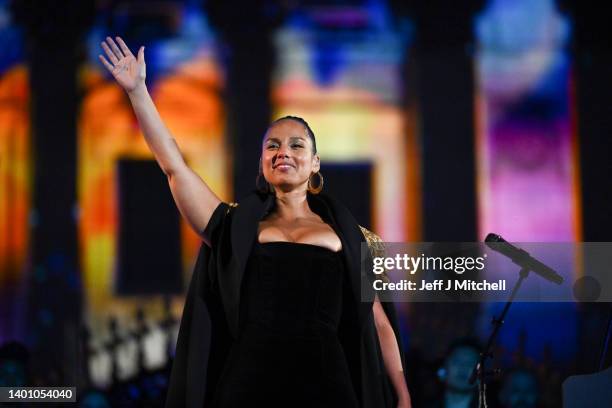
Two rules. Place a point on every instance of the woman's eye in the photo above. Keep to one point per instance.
(272, 146)
(296, 145)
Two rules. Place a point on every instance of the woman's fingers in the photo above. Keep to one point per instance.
(124, 47)
(111, 55)
(106, 63)
(114, 47)
(141, 55)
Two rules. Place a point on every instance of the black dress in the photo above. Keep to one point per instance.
(288, 352)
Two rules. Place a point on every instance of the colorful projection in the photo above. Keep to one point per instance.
(347, 84)
(185, 81)
(527, 171)
(15, 172)
(526, 157)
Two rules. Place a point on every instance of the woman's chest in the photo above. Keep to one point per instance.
(299, 231)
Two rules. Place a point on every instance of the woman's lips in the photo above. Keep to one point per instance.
(283, 166)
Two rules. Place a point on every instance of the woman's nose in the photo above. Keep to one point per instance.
(283, 151)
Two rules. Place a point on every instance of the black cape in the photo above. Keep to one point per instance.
(210, 317)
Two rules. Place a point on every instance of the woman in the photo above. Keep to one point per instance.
(274, 314)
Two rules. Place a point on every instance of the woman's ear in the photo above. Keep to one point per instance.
(317, 164)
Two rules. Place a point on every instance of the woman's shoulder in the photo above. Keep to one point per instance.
(247, 207)
(252, 198)
(230, 206)
(338, 206)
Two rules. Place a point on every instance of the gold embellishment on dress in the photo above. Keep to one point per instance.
(231, 205)
(376, 246)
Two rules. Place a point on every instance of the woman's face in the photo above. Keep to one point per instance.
(287, 159)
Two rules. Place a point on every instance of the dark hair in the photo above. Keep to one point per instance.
(303, 123)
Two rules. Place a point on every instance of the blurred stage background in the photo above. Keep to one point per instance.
(435, 121)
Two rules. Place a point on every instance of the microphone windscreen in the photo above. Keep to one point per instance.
(491, 237)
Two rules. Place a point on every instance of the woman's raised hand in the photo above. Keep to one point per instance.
(194, 199)
(129, 71)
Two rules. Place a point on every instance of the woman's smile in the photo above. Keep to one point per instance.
(283, 167)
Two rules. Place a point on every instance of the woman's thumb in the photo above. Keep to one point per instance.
(141, 54)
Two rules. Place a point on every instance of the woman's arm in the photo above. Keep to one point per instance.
(194, 199)
(391, 354)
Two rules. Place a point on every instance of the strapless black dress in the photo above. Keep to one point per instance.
(288, 352)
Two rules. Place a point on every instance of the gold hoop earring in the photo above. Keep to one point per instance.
(319, 187)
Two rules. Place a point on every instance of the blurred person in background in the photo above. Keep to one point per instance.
(519, 389)
(459, 361)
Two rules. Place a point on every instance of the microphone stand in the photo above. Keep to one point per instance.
(604, 346)
(480, 371)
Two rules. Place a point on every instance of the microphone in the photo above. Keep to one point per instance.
(522, 258)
